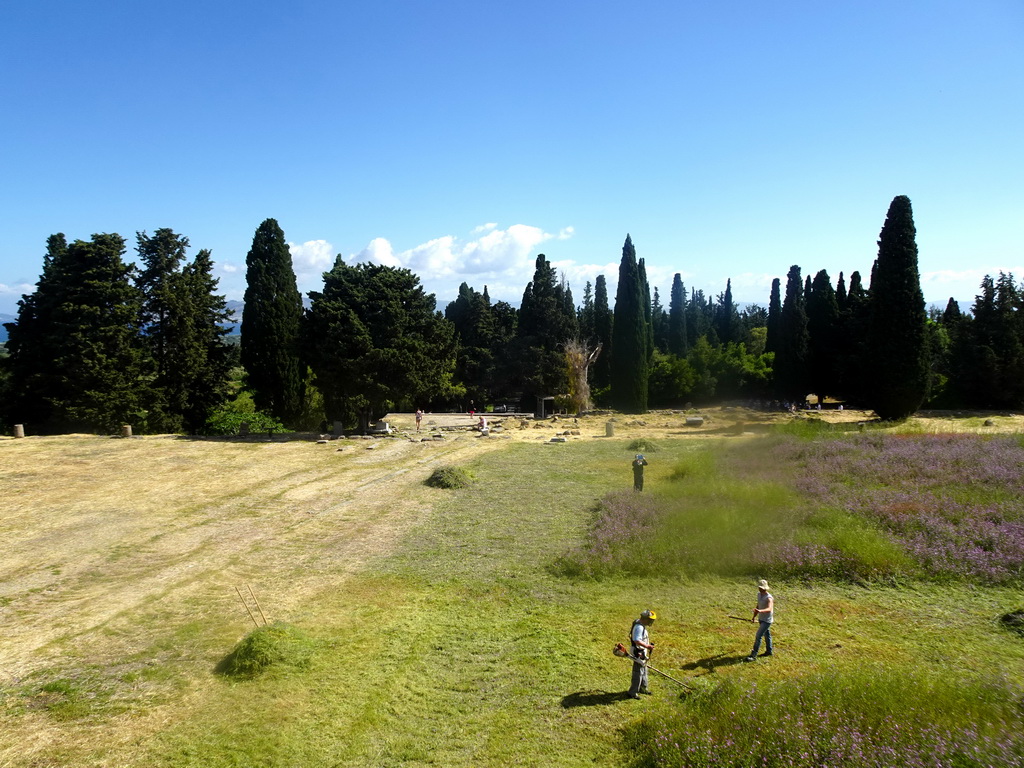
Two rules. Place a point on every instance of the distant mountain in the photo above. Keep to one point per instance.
(5, 319)
(235, 319)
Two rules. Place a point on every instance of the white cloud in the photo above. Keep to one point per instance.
(311, 257)
(489, 255)
(228, 268)
(17, 289)
(379, 251)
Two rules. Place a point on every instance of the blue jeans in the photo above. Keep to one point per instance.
(764, 630)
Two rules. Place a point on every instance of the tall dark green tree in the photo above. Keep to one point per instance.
(791, 379)
(727, 323)
(478, 349)
(84, 370)
(677, 342)
(33, 347)
(270, 326)
(774, 317)
(546, 321)
(700, 313)
(897, 344)
(823, 331)
(585, 315)
(374, 339)
(603, 325)
(205, 357)
(851, 343)
(184, 332)
(659, 324)
(645, 285)
(630, 372)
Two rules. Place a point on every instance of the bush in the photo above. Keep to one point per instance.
(450, 477)
(276, 645)
(228, 422)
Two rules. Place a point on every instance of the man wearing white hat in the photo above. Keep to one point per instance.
(640, 647)
(763, 614)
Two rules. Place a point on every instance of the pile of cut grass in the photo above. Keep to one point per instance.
(272, 647)
(450, 478)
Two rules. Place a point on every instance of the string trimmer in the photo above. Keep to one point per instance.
(620, 650)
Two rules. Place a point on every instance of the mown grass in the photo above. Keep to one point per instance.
(467, 648)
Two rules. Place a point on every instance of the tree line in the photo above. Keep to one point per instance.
(102, 342)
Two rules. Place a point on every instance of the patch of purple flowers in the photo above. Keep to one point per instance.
(954, 503)
(624, 523)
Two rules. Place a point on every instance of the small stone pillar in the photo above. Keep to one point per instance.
(243, 429)
(609, 429)
(339, 428)
(19, 430)
(126, 430)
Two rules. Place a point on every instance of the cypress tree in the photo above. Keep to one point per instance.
(771, 343)
(270, 325)
(586, 315)
(630, 371)
(727, 323)
(822, 329)
(897, 345)
(645, 288)
(677, 318)
(791, 354)
(603, 324)
(659, 324)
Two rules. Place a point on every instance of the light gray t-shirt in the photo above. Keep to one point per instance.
(762, 603)
(640, 634)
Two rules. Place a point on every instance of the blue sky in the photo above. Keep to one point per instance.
(461, 139)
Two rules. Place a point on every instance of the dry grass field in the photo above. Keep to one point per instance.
(121, 557)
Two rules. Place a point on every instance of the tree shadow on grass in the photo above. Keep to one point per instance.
(593, 698)
(712, 663)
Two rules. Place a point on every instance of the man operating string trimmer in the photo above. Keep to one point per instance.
(641, 647)
(640, 651)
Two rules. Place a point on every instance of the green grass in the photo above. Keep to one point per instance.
(465, 648)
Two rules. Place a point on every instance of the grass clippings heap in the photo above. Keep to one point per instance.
(450, 478)
(273, 646)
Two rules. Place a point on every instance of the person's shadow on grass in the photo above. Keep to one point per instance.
(592, 698)
(711, 663)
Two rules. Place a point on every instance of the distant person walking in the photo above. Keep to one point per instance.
(640, 649)
(763, 614)
(419, 418)
(638, 472)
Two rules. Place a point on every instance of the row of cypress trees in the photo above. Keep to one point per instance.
(101, 342)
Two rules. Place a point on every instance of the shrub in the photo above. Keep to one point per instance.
(228, 422)
(449, 477)
(277, 645)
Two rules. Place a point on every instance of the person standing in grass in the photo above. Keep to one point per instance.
(419, 418)
(638, 472)
(640, 649)
(763, 614)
